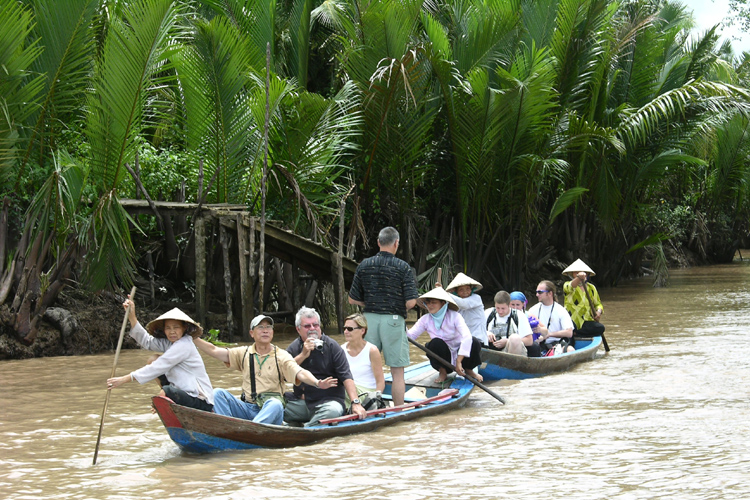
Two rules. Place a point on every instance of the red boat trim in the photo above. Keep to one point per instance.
(445, 394)
(165, 412)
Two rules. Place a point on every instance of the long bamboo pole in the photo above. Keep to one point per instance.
(114, 368)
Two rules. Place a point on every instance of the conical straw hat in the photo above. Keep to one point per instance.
(440, 294)
(577, 267)
(158, 323)
(460, 280)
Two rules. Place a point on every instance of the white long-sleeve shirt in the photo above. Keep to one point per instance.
(181, 363)
(471, 309)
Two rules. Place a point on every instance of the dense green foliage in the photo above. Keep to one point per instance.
(500, 136)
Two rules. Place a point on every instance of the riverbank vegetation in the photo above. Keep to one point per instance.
(503, 138)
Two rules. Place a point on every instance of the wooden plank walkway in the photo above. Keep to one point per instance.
(282, 243)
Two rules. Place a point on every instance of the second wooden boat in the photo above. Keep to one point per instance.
(497, 365)
(203, 432)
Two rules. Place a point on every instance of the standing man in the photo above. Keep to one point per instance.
(582, 300)
(325, 359)
(265, 369)
(385, 286)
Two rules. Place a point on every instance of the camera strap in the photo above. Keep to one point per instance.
(514, 317)
(251, 367)
(549, 320)
(251, 372)
(253, 392)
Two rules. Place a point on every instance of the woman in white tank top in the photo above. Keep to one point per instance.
(364, 358)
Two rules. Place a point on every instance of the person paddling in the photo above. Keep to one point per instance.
(451, 339)
(172, 334)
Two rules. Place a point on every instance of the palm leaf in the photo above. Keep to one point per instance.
(54, 208)
(135, 52)
(565, 200)
(19, 88)
(135, 55)
(65, 63)
(213, 74)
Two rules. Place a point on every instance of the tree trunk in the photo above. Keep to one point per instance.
(310, 296)
(3, 234)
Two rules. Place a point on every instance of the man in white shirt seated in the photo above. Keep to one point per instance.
(555, 324)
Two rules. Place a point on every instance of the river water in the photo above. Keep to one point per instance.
(663, 415)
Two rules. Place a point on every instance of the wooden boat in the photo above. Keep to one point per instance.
(497, 365)
(203, 432)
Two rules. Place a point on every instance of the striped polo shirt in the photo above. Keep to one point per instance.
(384, 283)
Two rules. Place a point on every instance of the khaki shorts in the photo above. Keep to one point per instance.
(525, 351)
(388, 333)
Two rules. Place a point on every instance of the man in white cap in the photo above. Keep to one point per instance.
(582, 300)
(265, 370)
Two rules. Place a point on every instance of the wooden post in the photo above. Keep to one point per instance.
(296, 299)
(244, 276)
(200, 268)
(150, 261)
(338, 274)
(338, 295)
(251, 283)
(225, 241)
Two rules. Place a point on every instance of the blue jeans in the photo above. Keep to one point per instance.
(227, 404)
(298, 411)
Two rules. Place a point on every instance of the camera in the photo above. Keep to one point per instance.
(316, 340)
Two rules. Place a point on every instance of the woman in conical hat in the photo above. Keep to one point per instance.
(470, 304)
(450, 337)
(172, 334)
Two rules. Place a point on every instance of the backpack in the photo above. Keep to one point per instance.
(493, 315)
(370, 401)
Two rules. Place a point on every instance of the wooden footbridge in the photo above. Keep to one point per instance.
(320, 261)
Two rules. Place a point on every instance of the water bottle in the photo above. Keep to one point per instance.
(533, 323)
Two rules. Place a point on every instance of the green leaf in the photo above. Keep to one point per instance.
(565, 200)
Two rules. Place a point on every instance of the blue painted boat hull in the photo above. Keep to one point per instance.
(498, 365)
(203, 432)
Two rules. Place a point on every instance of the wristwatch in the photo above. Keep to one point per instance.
(356, 401)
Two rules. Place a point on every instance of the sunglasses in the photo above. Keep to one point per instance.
(351, 329)
(539, 292)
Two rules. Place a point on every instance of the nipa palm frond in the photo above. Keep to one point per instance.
(19, 89)
(136, 51)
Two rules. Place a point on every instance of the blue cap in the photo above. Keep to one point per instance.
(518, 296)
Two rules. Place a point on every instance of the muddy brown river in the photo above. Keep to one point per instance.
(664, 415)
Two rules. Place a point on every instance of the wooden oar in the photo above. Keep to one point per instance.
(468, 377)
(593, 314)
(447, 394)
(114, 367)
